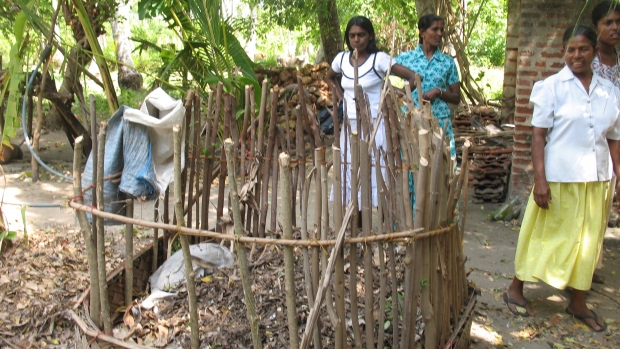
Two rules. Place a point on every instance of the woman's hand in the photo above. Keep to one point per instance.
(542, 194)
(430, 95)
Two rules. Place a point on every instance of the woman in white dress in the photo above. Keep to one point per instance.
(373, 65)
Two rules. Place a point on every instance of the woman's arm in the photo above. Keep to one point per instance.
(452, 95)
(331, 81)
(404, 73)
(542, 194)
(614, 151)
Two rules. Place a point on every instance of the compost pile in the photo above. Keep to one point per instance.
(223, 318)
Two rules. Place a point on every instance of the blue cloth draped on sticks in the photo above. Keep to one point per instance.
(438, 72)
(139, 151)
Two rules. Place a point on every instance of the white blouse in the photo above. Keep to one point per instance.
(370, 80)
(579, 125)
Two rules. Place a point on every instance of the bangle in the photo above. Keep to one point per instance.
(440, 93)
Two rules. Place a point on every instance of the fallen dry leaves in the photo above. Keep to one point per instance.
(40, 281)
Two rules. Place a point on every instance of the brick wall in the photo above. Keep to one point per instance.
(541, 27)
(510, 63)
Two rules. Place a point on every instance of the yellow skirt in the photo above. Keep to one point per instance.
(561, 245)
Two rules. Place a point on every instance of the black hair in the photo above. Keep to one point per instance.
(427, 21)
(365, 24)
(603, 9)
(580, 29)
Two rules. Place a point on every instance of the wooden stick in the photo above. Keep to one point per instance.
(300, 152)
(155, 261)
(222, 176)
(129, 255)
(91, 249)
(193, 119)
(265, 177)
(382, 271)
(365, 168)
(241, 253)
(260, 152)
(212, 146)
(353, 248)
(274, 186)
(166, 222)
(199, 158)
(339, 268)
(329, 298)
(252, 145)
(404, 236)
(316, 251)
(103, 285)
(304, 195)
(98, 335)
(94, 152)
(206, 166)
(187, 258)
(314, 312)
(244, 134)
(289, 262)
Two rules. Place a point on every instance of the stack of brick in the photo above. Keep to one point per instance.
(489, 173)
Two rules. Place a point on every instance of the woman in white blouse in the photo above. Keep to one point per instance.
(576, 128)
(373, 65)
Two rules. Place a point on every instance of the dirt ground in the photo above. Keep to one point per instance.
(489, 247)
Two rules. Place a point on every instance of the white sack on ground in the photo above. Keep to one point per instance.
(172, 273)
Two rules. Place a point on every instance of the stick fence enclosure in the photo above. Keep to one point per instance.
(370, 276)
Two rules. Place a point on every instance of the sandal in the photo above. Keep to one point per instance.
(516, 312)
(584, 317)
(597, 279)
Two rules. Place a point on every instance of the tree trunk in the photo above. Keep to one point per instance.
(63, 99)
(424, 7)
(329, 26)
(128, 76)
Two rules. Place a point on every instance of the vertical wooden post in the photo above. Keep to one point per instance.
(103, 285)
(94, 154)
(241, 253)
(129, 255)
(365, 168)
(339, 268)
(355, 164)
(91, 249)
(289, 261)
(261, 154)
(206, 166)
(155, 237)
(265, 177)
(189, 268)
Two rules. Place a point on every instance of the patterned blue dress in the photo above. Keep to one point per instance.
(438, 72)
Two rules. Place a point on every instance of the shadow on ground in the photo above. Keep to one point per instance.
(490, 248)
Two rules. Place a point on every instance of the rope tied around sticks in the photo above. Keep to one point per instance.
(406, 236)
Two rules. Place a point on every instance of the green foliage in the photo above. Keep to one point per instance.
(210, 51)
(487, 44)
(15, 74)
(7, 235)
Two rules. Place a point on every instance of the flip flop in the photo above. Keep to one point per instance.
(516, 312)
(584, 317)
(597, 279)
